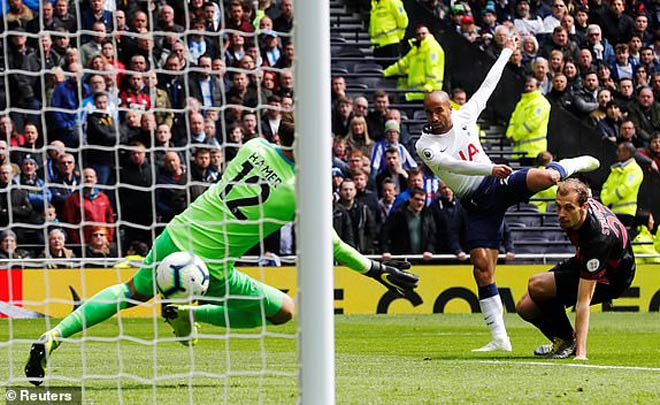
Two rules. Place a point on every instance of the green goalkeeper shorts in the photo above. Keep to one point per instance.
(258, 295)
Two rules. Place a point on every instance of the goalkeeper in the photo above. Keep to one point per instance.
(254, 198)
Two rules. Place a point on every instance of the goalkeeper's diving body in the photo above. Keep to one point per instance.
(254, 198)
(451, 148)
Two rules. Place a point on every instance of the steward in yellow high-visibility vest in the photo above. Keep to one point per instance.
(387, 27)
(528, 125)
(622, 185)
(643, 240)
(646, 243)
(424, 65)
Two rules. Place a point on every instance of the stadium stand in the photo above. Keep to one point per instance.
(156, 91)
(567, 136)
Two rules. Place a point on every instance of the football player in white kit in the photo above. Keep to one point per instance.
(450, 147)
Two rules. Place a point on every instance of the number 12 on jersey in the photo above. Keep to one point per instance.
(246, 200)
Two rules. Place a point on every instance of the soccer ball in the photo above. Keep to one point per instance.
(181, 276)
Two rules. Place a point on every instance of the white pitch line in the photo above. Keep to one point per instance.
(546, 364)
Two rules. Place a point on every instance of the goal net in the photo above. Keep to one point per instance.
(114, 118)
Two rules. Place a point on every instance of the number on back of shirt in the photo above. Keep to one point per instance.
(235, 205)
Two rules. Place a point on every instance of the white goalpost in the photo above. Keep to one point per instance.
(315, 272)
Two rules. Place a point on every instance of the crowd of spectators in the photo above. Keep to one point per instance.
(385, 202)
(596, 59)
(116, 115)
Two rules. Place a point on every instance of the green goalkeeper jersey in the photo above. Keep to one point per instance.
(254, 198)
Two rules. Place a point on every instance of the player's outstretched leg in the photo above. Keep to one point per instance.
(542, 179)
(182, 319)
(275, 308)
(580, 164)
(262, 304)
(100, 307)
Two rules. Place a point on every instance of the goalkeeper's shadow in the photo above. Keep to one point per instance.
(142, 386)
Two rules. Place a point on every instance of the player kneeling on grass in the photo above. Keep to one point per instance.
(254, 198)
(602, 269)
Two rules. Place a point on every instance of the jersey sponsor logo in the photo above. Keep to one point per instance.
(593, 265)
(471, 151)
(428, 153)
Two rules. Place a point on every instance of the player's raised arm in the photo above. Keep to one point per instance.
(479, 99)
(391, 274)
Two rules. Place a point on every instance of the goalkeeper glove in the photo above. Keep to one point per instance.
(392, 275)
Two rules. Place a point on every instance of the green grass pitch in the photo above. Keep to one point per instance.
(380, 359)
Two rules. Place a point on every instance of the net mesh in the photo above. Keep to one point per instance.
(156, 97)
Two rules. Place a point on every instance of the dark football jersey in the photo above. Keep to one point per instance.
(604, 252)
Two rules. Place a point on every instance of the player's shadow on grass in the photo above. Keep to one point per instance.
(481, 356)
(142, 387)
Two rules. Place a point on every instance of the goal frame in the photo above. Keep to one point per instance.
(312, 149)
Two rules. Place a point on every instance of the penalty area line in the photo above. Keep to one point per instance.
(547, 364)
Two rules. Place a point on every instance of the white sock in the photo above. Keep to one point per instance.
(493, 312)
(577, 164)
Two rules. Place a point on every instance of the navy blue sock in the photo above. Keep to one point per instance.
(488, 291)
(557, 167)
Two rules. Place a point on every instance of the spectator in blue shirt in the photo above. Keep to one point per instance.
(38, 195)
(92, 12)
(392, 132)
(66, 125)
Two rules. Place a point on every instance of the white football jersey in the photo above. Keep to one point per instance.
(457, 156)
